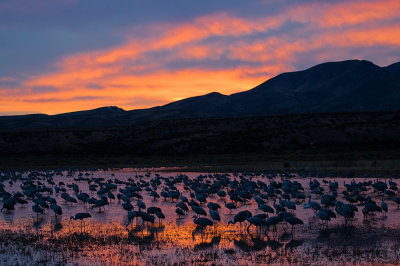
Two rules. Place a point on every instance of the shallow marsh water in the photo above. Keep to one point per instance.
(29, 238)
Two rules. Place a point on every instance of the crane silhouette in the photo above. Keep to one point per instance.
(384, 206)
(240, 217)
(202, 221)
(56, 209)
(293, 221)
(81, 216)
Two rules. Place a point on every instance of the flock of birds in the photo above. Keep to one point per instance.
(276, 195)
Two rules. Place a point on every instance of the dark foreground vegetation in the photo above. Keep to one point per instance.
(331, 137)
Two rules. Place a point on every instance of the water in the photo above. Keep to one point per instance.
(105, 239)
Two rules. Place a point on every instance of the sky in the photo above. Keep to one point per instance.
(66, 55)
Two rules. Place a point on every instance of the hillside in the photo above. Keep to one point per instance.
(347, 86)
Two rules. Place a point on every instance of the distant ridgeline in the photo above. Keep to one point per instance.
(342, 105)
(348, 86)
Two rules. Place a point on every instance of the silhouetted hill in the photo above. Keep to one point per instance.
(347, 86)
(330, 87)
(104, 116)
(394, 67)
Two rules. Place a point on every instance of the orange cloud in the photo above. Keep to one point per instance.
(342, 14)
(141, 73)
(215, 25)
(356, 12)
(283, 49)
(152, 89)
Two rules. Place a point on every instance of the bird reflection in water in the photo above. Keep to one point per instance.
(214, 242)
(141, 234)
(227, 210)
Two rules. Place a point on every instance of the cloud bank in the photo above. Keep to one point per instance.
(79, 55)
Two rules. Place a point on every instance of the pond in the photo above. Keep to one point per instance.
(106, 238)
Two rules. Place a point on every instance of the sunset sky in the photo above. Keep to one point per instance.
(66, 55)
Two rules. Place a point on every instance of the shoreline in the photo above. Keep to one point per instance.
(206, 163)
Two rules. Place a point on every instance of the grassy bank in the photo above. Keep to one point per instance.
(372, 162)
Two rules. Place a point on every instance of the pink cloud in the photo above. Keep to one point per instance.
(139, 67)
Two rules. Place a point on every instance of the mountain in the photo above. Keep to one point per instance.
(104, 116)
(330, 87)
(347, 86)
(394, 68)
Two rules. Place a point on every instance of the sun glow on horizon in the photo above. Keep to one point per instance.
(226, 52)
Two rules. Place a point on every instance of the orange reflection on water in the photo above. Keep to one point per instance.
(114, 243)
(171, 234)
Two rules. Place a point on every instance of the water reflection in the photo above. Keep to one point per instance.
(38, 223)
(106, 235)
(292, 244)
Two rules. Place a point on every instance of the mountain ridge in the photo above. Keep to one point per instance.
(345, 86)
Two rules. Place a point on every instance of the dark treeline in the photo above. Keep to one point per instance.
(310, 133)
